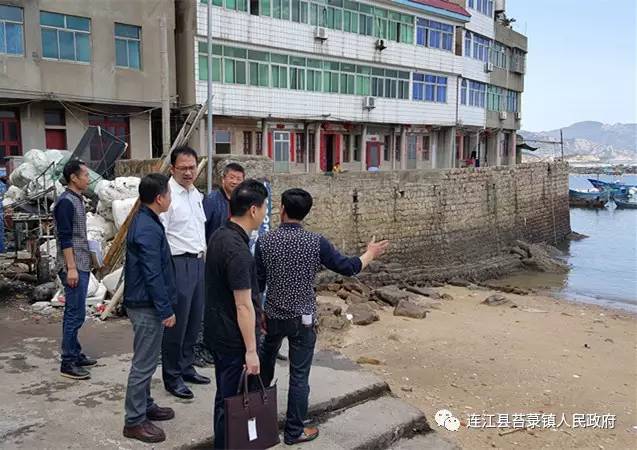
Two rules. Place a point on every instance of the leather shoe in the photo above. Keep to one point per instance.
(158, 413)
(196, 379)
(181, 391)
(145, 432)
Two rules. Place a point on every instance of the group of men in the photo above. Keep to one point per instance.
(188, 263)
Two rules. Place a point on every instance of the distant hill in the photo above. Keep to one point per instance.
(588, 142)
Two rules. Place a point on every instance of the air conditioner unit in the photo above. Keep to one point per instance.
(380, 45)
(369, 103)
(518, 116)
(503, 115)
(320, 34)
(488, 67)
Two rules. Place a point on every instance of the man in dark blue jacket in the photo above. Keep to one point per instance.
(149, 296)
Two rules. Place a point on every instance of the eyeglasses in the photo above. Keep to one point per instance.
(186, 169)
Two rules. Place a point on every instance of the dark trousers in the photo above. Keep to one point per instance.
(147, 329)
(179, 341)
(228, 370)
(74, 316)
(302, 339)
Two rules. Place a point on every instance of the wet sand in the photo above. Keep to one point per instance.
(546, 356)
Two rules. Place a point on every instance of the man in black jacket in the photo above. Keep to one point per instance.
(149, 297)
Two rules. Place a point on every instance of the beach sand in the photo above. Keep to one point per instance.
(547, 356)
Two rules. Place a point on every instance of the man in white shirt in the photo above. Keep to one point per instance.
(184, 223)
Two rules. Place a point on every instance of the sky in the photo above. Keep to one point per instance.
(581, 61)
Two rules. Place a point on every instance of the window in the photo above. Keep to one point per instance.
(512, 101)
(234, 70)
(363, 80)
(499, 55)
(217, 51)
(397, 152)
(463, 92)
(281, 151)
(11, 30)
(297, 74)
(223, 141)
(495, 98)
(477, 92)
(299, 147)
(281, 9)
(299, 11)
(430, 88)
(348, 78)
(426, 148)
(311, 157)
(483, 6)
(128, 46)
(481, 47)
(314, 79)
(357, 147)
(247, 142)
(10, 143)
(55, 129)
(259, 143)
(279, 77)
(387, 148)
(347, 138)
(238, 5)
(434, 34)
(65, 37)
(468, 43)
(330, 76)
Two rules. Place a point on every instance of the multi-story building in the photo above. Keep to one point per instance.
(365, 84)
(65, 65)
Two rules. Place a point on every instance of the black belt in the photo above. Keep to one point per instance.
(189, 255)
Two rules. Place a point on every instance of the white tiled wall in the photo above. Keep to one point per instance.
(481, 24)
(470, 115)
(245, 30)
(237, 100)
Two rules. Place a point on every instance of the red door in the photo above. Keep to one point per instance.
(55, 139)
(10, 144)
(373, 154)
(330, 151)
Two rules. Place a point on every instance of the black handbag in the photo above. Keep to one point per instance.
(251, 420)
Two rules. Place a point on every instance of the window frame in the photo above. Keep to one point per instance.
(4, 47)
(127, 40)
(66, 29)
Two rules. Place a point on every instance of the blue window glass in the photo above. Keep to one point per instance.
(65, 37)
(441, 94)
(121, 53)
(128, 46)
(429, 92)
(67, 45)
(11, 30)
(420, 35)
(50, 47)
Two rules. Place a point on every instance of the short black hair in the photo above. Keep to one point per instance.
(151, 186)
(297, 203)
(72, 167)
(248, 193)
(183, 150)
(233, 167)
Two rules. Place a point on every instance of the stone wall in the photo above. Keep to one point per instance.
(439, 222)
(438, 218)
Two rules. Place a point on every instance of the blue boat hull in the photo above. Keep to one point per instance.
(588, 199)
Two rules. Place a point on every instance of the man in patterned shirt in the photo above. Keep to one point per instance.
(287, 261)
(74, 266)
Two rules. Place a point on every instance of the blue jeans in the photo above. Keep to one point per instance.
(148, 331)
(302, 339)
(228, 370)
(74, 316)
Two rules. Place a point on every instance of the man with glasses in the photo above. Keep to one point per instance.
(185, 229)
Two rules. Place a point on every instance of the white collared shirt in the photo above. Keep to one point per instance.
(185, 220)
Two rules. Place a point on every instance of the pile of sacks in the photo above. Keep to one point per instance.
(26, 180)
(116, 198)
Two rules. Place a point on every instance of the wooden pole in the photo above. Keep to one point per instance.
(116, 300)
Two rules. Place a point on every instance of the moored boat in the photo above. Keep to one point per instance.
(625, 204)
(589, 199)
